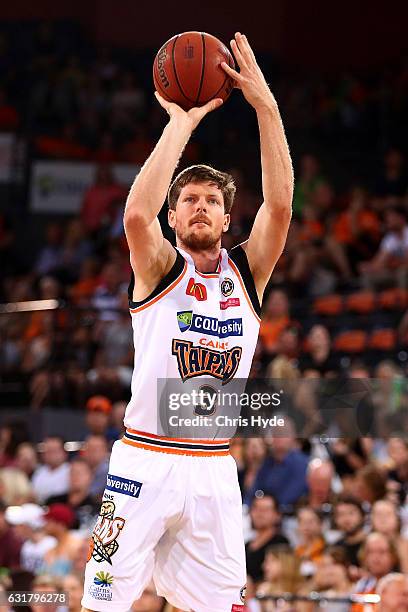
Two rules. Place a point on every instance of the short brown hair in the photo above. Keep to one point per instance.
(198, 174)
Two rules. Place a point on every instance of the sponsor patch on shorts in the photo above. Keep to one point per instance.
(101, 588)
(118, 484)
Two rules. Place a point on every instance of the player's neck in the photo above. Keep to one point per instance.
(206, 260)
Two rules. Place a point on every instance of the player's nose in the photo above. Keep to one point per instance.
(201, 204)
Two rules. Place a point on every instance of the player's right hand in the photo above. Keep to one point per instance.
(194, 115)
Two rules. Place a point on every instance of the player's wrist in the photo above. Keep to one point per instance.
(267, 105)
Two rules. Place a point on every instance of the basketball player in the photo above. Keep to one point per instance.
(172, 507)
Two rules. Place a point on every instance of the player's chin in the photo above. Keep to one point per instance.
(200, 238)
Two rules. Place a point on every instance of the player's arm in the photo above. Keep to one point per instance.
(268, 235)
(151, 255)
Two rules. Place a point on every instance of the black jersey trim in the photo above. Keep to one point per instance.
(165, 282)
(240, 259)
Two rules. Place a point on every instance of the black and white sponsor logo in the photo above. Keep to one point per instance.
(227, 287)
(118, 484)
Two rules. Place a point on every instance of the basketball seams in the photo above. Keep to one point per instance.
(202, 68)
(223, 84)
(173, 51)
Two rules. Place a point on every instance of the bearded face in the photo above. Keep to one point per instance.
(199, 219)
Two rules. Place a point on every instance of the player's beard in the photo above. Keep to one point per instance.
(199, 241)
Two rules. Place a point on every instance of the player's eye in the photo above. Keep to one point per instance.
(213, 201)
(188, 199)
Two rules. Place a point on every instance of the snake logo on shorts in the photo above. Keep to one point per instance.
(103, 543)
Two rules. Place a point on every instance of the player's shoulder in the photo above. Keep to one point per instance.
(171, 277)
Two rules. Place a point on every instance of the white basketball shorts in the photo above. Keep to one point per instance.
(171, 511)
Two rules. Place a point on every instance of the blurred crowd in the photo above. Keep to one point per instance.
(324, 514)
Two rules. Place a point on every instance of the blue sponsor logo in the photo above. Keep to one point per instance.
(189, 321)
(123, 485)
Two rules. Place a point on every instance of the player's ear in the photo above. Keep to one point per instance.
(227, 219)
(171, 217)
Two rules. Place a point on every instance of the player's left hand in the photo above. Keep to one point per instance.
(250, 77)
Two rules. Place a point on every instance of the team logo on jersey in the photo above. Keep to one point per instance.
(102, 586)
(189, 321)
(198, 290)
(103, 543)
(227, 287)
(193, 360)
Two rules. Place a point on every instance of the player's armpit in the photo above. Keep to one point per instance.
(266, 243)
(151, 255)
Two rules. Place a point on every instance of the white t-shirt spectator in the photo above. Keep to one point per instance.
(395, 244)
(47, 482)
(32, 553)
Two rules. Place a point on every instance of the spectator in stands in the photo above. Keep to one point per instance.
(283, 472)
(10, 544)
(28, 522)
(357, 229)
(349, 519)
(266, 519)
(319, 479)
(393, 250)
(117, 427)
(26, 458)
(398, 474)
(72, 585)
(370, 484)
(274, 320)
(253, 457)
(98, 199)
(98, 412)
(393, 591)
(311, 542)
(81, 556)
(308, 180)
(45, 584)
(281, 572)
(96, 455)
(318, 356)
(49, 257)
(378, 558)
(15, 487)
(76, 248)
(392, 183)
(78, 498)
(330, 580)
(12, 434)
(58, 521)
(51, 478)
(385, 520)
(107, 296)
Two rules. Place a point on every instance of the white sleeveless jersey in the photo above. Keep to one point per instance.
(192, 326)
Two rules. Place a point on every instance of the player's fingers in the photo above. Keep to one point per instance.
(243, 48)
(231, 72)
(237, 54)
(247, 47)
(211, 105)
(162, 101)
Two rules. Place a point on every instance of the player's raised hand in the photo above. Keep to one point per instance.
(250, 77)
(194, 115)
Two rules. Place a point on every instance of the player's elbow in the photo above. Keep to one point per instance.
(281, 210)
(133, 219)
